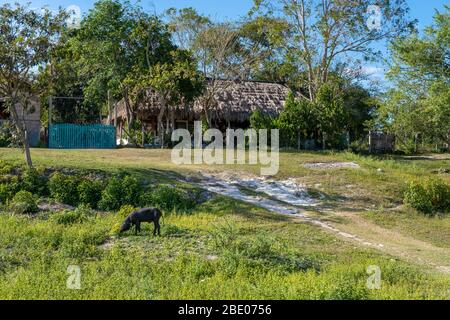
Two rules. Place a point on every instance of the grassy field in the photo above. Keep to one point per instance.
(227, 249)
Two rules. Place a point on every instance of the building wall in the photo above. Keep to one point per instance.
(32, 120)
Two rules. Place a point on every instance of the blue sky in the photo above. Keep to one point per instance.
(422, 10)
(230, 9)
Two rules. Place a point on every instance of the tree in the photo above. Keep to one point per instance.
(327, 33)
(297, 120)
(26, 38)
(176, 82)
(218, 48)
(330, 113)
(418, 105)
(104, 50)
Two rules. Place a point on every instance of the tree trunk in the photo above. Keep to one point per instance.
(27, 150)
(22, 132)
(172, 121)
(160, 122)
(299, 140)
(208, 119)
(128, 110)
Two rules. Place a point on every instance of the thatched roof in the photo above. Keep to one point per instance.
(231, 101)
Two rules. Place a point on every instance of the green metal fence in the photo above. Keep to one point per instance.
(72, 136)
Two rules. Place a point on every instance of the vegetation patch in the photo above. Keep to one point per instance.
(430, 196)
(24, 202)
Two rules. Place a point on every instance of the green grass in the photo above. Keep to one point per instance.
(224, 249)
(205, 255)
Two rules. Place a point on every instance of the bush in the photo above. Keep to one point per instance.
(90, 192)
(6, 193)
(131, 190)
(24, 202)
(428, 197)
(168, 198)
(112, 195)
(34, 182)
(119, 192)
(64, 188)
(8, 188)
(67, 217)
(5, 168)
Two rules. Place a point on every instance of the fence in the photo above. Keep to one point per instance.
(381, 142)
(72, 136)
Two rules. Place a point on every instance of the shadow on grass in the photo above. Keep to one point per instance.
(222, 205)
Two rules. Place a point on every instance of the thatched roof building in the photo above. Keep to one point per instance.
(231, 101)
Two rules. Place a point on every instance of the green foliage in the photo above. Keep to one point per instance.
(112, 195)
(6, 136)
(125, 211)
(24, 202)
(90, 192)
(8, 189)
(297, 120)
(121, 191)
(64, 188)
(27, 37)
(35, 182)
(330, 112)
(121, 215)
(68, 217)
(169, 198)
(417, 109)
(259, 120)
(429, 197)
(4, 193)
(131, 190)
(5, 167)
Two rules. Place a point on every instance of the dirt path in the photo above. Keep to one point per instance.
(283, 197)
(396, 244)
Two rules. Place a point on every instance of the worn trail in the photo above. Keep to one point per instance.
(288, 198)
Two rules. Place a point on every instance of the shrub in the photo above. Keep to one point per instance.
(34, 182)
(64, 188)
(131, 190)
(90, 192)
(112, 195)
(119, 192)
(5, 168)
(439, 193)
(428, 197)
(67, 217)
(146, 199)
(8, 188)
(24, 202)
(4, 194)
(168, 198)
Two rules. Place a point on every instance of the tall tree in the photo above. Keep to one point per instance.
(326, 33)
(26, 38)
(176, 81)
(419, 102)
(219, 49)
